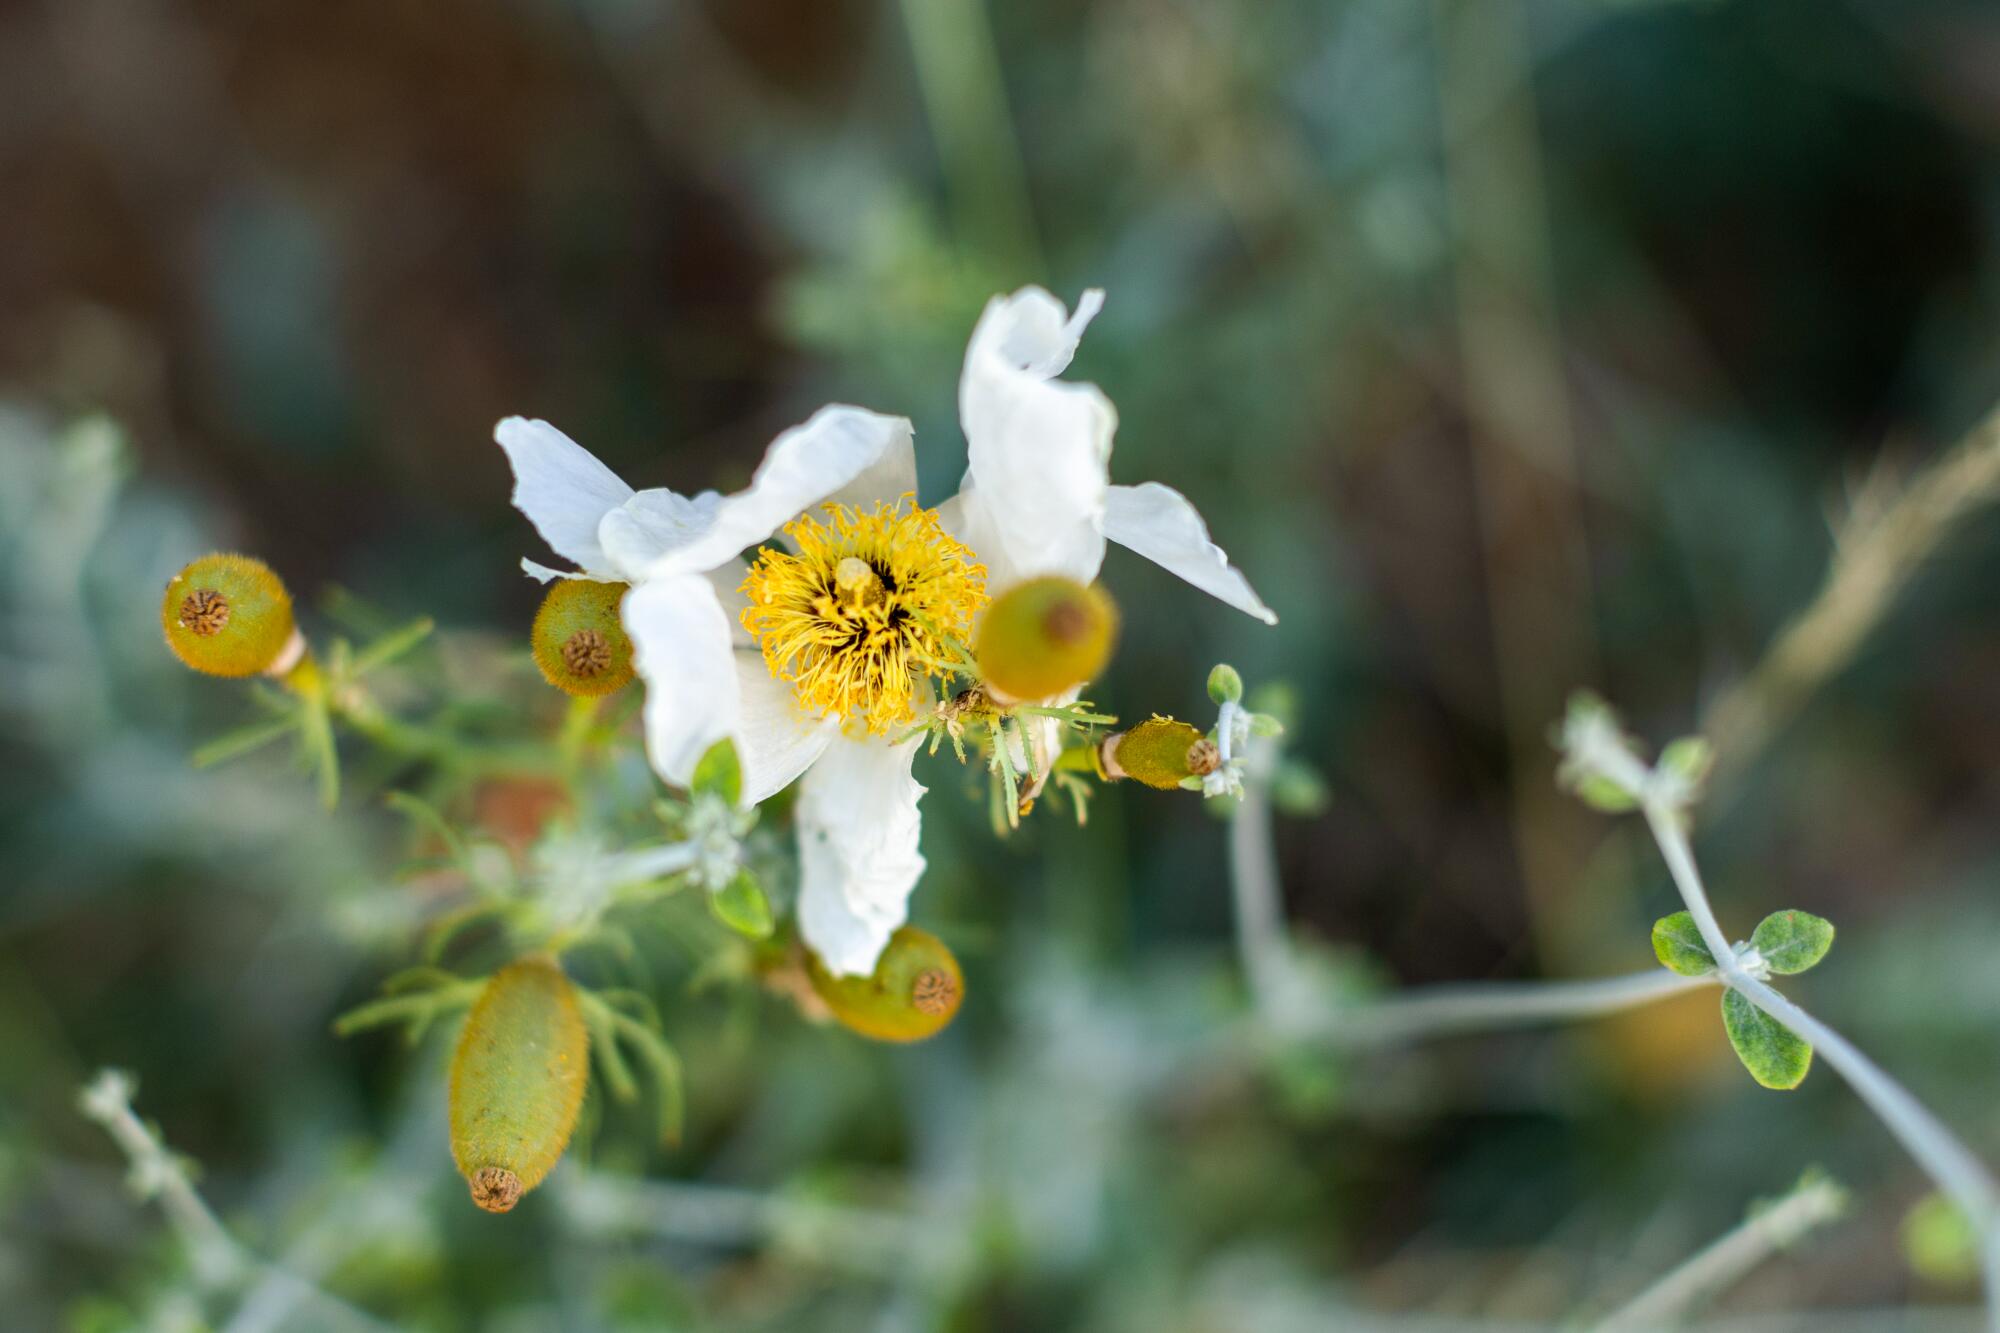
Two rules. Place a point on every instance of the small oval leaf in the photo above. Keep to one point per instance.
(741, 906)
(1776, 1056)
(719, 773)
(1792, 941)
(1678, 945)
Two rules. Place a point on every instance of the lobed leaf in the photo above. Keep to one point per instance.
(741, 906)
(719, 772)
(1677, 943)
(1776, 1056)
(1792, 941)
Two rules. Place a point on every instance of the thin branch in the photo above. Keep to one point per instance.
(1727, 1261)
(1885, 539)
(1942, 1155)
(1439, 1011)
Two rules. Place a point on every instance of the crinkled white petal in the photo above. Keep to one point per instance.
(774, 740)
(890, 477)
(825, 457)
(541, 573)
(1032, 330)
(1038, 449)
(562, 488)
(858, 859)
(727, 580)
(701, 688)
(681, 649)
(650, 524)
(1161, 524)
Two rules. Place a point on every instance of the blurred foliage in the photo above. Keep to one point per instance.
(308, 255)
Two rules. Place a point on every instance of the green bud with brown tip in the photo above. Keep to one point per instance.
(1159, 752)
(517, 1081)
(229, 615)
(1045, 636)
(579, 641)
(912, 994)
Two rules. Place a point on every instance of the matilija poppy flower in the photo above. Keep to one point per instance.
(815, 659)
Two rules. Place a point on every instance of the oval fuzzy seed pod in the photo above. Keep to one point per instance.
(517, 1081)
(1045, 636)
(229, 615)
(579, 642)
(1160, 753)
(913, 993)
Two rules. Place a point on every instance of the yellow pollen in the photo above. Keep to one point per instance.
(863, 609)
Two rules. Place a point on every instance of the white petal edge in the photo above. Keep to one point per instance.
(650, 524)
(1161, 524)
(701, 688)
(859, 830)
(774, 740)
(1038, 450)
(681, 650)
(803, 467)
(562, 488)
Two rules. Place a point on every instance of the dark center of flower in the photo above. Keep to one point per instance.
(1066, 621)
(495, 1188)
(205, 611)
(934, 991)
(587, 653)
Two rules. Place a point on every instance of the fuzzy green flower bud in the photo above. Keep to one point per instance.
(517, 1080)
(1044, 636)
(229, 615)
(579, 642)
(1161, 753)
(913, 993)
(1224, 685)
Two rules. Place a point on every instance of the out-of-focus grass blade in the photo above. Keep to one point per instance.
(244, 740)
(393, 645)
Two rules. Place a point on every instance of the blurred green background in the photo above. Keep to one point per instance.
(1509, 346)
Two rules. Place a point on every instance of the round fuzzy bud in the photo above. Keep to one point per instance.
(229, 615)
(1225, 686)
(1045, 636)
(1160, 753)
(579, 642)
(517, 1081)
(913, 993)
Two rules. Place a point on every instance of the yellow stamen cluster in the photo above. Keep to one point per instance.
(863, 608)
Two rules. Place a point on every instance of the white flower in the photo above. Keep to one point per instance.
(815, 662)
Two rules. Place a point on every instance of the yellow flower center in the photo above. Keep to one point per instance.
(863, 609)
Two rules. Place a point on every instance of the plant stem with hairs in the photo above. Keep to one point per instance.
(1717, 1267)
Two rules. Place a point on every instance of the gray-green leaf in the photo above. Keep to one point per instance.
(1688, 759)
(1601, 793)
(1776, 1056)
(1678, 945)
(741, 906)
(719, 773)
(1792, 941)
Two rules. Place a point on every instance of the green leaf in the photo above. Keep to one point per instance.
(719, 773)
(664, 1063)
(1776, 1056)
(1939, 1242)
(316, 741)
(1688, 759)
(1297, 789)
(392, 645)
(1792, 941)
(1601, 793)
(1677, 943)
(244, 740)
(742, 907)
(1263, 724)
